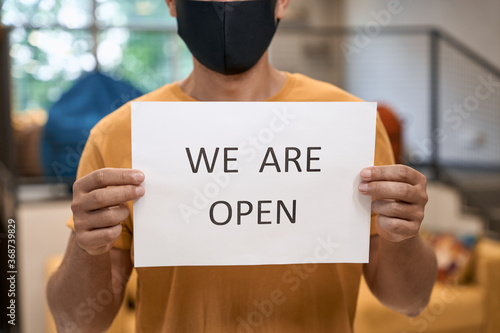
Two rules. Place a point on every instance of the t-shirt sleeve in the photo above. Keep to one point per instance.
(383, 156)
(90, 161)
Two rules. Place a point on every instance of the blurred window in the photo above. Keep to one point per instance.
(53, 42)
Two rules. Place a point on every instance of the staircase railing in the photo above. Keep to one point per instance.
(447, 95)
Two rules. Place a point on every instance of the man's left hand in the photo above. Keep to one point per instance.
(399, 198)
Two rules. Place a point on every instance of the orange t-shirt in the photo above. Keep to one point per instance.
(277, 298)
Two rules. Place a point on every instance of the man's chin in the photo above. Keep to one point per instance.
(235, 75)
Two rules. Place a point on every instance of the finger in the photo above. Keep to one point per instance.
(98, 238)
(392, 190)
(395, 173)
(112, 196)
(108, 177)
(398, 209)
(396, 230)
(106, 217)
(101, 250)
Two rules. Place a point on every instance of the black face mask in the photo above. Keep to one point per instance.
(227, 37)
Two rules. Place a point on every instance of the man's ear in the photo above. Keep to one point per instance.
(171, 7)
(281, 7)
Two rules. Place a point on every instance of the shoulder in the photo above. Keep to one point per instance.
(315, 90)
(307, 89)
(117, 123)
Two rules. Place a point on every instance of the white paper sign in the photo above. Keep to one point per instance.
(251, 183)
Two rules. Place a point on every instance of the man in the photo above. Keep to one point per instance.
(99, 257)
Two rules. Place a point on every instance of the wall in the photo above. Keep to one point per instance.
(42, 234)
(475, 23)
(394, 71)
(316, 12)
(316, 55)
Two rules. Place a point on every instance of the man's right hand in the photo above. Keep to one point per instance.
(99, 206)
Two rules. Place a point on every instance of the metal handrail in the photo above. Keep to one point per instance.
(468, 52)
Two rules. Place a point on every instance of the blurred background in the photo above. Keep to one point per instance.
(433, 66)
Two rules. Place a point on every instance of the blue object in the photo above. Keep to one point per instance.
(72, 117)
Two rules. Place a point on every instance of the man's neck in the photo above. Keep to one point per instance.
(258, 84)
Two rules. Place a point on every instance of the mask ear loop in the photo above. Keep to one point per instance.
(224, 25)
(278, 20)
